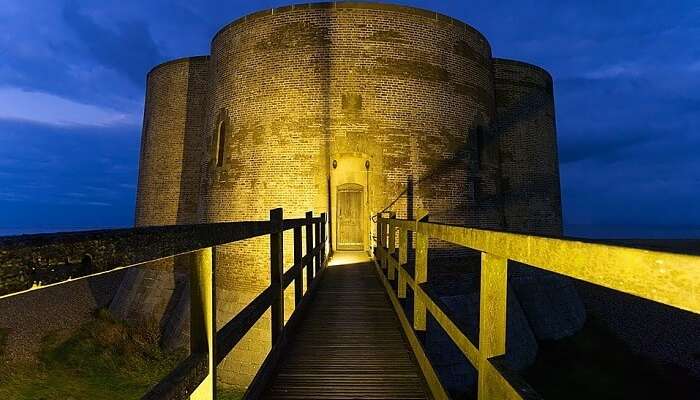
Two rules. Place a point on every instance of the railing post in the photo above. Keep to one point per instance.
(403, 257)
(380, 245)
(323, 239)
(276, 272)
(299, 276)
(492, 317)
(203, 318)
(391, 270)
(309, 249)
(317, 243)
(421, 273)
(385, 251)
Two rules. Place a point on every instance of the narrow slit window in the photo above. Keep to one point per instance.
(221, 141)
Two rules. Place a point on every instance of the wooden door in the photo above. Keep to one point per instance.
(349, 210)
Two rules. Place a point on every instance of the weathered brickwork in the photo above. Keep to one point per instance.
(168, 192)
(296, 102)
(528, 148)
(168, 188)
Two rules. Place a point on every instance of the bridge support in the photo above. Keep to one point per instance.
(403, 258)
(276, 273)
(309, 249)
(419, 309)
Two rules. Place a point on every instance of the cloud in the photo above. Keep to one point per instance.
(45, 108)
(604, 146)
(614, 71)
(97, 203)
(129, 48)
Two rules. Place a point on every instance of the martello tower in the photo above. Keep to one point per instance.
(345, 108)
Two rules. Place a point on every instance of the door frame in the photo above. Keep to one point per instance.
(354, 188)
(349, 167)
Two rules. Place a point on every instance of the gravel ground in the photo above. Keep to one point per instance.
(58, 309)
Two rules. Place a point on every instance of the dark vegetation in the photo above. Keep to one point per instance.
(104, 359)
(595, 364)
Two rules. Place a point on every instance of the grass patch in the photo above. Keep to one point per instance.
(104, 359)
(228, 394)
(595, 364)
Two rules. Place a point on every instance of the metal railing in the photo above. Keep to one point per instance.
(668, 278)
(38, 261)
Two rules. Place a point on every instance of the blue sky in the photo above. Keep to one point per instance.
(627, 86)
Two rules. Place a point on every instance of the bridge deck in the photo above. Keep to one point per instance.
(349, 344)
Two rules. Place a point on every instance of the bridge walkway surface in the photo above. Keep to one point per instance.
(349, 344)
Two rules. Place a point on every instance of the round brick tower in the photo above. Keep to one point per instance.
(528, 148)
(527, 137)
(336, 107)
(168, 192)
(350, 109)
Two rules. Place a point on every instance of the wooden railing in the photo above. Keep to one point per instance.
(38, 261)
(668, 278)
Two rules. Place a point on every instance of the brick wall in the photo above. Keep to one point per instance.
(299, 86)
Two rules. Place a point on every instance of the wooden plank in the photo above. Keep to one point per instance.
(391, 271)
(276, 273)
(309, 249)
(349, 344)
(298, 273)
(317, 247)
(421, 271)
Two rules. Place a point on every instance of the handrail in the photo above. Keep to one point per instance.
(664, 277)
(31, 262)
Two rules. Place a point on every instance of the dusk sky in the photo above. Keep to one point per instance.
(626, 80)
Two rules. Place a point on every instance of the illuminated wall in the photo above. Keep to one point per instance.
(300, 88)
(298, 102)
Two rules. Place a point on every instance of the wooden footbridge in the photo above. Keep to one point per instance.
(349, 336)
